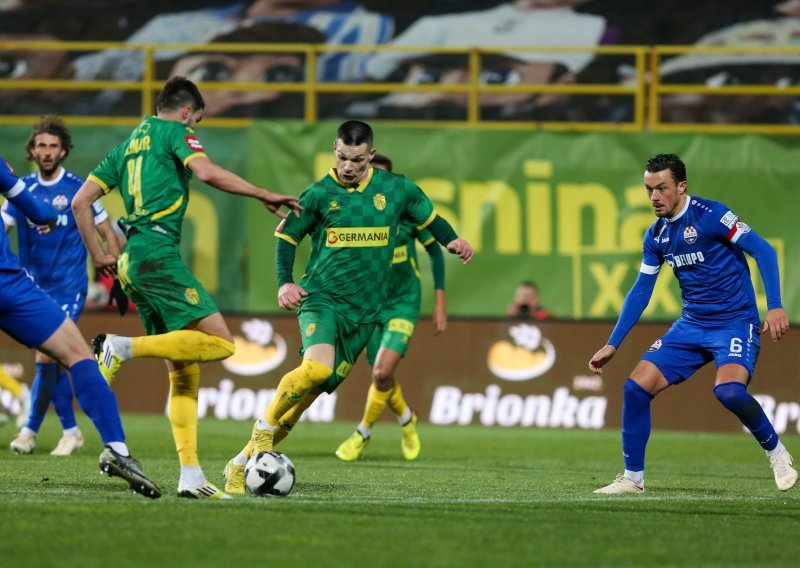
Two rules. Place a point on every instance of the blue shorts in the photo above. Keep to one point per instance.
(687, 346)
(27, 313)
(71, 305)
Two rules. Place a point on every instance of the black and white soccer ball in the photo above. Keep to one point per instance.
(269, 474)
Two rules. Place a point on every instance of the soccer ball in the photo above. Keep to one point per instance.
(269, 474)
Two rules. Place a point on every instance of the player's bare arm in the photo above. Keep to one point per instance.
(599, 359)
(225, 180)
(290, 296)
(777, 323)
(109, 238)
(462, 248)
(90, 191)
(439, 313)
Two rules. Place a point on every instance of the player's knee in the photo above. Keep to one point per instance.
(631, 390)
(315, 372)
(733, 395)
(382, 377)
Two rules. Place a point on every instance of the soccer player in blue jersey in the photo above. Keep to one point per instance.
(57, 261)
(704, 243)
(31, 317)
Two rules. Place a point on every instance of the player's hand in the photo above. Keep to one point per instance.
(462, 248)
(603, 356)
(777, 322)
(290, 296)
(274, 201)
(106, 264)
(439, 318)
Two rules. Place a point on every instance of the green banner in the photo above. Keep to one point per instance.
(565, 210)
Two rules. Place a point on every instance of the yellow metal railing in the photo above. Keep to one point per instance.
(645, 89)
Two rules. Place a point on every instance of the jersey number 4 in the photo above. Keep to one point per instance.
(135, 182)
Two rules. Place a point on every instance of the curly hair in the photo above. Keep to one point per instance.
(50, 124)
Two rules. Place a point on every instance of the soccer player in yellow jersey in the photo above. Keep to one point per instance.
(352, 216)
(389, 341)
(152, 170)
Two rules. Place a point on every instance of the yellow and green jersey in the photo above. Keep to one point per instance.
(150, 170)
(403, 287)
(354, 233)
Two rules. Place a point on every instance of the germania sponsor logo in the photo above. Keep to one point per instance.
(259, 351)
(225, 401)
(562, 410)
(357, 236)
(529, 356)
(400, 255)
(60, 202)
(191, 296)
(690, 235)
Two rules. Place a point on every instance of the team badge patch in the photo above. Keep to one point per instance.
(742, 227)
(334, 206)
(193, 143)
(655, 346)
(191, 296)
(60, 202)
(310, 329)
(690, 235)
(379, 201)
(343, 369)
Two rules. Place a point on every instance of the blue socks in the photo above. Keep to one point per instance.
(42, 393)
(734, 397)
(62, 401)
(635, 424)
(97, 400)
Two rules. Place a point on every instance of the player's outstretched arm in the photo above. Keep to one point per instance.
(776, 322)
(437, 268)
(225, 180)
(89, 192)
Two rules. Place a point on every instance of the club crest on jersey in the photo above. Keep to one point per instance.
(193, 143)
(60, 202)
(334, 206)
(310, 329)
(379, 201)
(655, 346)
(191, 296)
(690, 235)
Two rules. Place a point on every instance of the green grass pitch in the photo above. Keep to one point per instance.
(476, 497)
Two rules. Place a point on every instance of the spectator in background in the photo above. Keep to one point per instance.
(519, 23)
(525, 304)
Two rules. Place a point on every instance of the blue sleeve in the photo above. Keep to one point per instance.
(13, 189)
(635, 302)
(754, 245)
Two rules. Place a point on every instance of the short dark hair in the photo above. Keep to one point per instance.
(529, 284)
(50, 124)
(669, 162)
(355, 133)
(178, 92)
(381, 160)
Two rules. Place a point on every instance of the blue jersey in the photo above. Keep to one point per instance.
(9, 184)
(56, 260)
(701, 244)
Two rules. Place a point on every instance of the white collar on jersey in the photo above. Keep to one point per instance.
(683, 211)
(58, 178)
